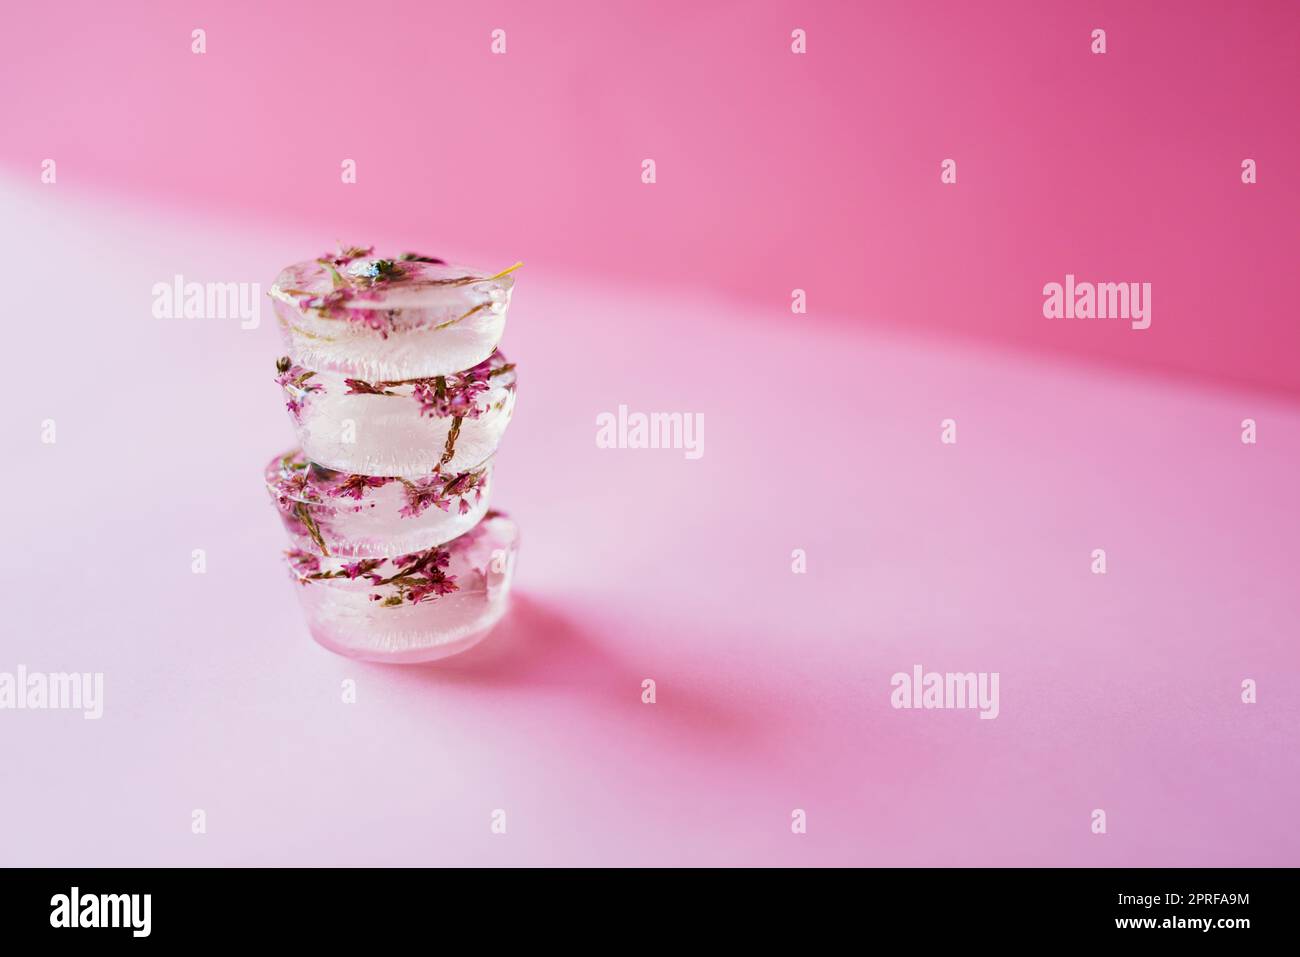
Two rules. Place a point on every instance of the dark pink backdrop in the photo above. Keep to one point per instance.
(775, 171)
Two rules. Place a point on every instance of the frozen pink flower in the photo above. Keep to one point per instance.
(304, 562)
(420, 495)
(355, 277)
(335, 305)
(294, 487)
(295, 381)
(355, 486)
(452, 395)
(439, 491)
(418, 561)
(361, 387)
(458, 486)
(362, 568)
(435, 584)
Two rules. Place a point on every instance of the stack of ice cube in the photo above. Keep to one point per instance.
(399, 398)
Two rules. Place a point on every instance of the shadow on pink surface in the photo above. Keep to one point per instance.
(538, 647)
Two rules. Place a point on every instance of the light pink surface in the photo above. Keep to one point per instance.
(822, 432)
(1118, 692)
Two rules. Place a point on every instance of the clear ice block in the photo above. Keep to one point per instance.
(373, 318)
(448, 423)
(332, 513)
(410, 608)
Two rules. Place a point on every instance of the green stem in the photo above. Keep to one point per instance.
(304, 514)
(449, 450)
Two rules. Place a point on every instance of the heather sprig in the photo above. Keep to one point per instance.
(439, 490)
(417, 577)
(356, 486)
(294, 379)
(356, 278)
(444, 396)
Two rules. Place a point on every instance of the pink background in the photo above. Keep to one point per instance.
(775, 172)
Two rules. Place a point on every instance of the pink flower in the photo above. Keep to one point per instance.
(458, 486)
(355, 486)
(363, 567)
(304, 562)
(419, 576)
(346, 255)
(295, 381)
(452, 395)
(418, 561)
(419, 496)
(335, 305)
(435, 584)
(294, 488)
(361, 387)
